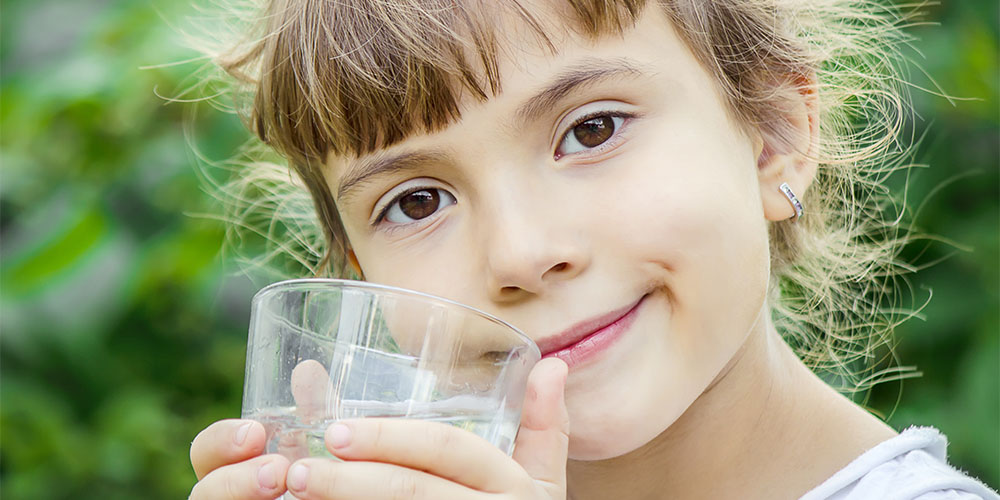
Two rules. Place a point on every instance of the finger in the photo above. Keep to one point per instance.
(439, 449)
(543, 439)
(310, 388)
(258, 478)
(314, 479)
(226, 442)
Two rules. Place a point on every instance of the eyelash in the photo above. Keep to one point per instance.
(388, 206)
(590, 116)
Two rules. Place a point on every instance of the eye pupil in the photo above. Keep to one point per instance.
(594, 132)
(420, 204)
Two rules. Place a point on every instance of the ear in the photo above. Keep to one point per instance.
(352, 259)
(787, 148)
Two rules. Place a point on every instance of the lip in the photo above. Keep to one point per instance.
(588, 338)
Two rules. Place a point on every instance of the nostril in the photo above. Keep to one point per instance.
(560, 267)
(507, 290)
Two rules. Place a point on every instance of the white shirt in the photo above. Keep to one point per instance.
(910, 466)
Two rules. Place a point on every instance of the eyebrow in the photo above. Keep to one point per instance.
(386, 163)
(590, 71)
(585, 73)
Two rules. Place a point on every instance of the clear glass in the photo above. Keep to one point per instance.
(322, 350)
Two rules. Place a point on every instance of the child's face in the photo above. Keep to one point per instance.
(655, 201)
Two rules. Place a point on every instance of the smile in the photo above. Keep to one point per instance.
(585, 340)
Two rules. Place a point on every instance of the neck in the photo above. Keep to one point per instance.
(766, 428)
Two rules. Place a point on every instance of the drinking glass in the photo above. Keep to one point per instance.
(321, 350)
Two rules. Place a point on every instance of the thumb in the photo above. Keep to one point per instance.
(543, 439)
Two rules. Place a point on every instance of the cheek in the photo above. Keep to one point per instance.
(708, 231)
(692, 207)
(689, 171)
(444, 267)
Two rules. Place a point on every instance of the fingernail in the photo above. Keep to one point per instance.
(338, 435)
(266, 477)
(297, 477)
(241, 433)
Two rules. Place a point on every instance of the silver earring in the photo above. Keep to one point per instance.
(794, 200)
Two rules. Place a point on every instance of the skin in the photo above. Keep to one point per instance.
(699, 398)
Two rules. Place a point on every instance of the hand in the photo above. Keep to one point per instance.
(227, 460)
(227, 455)
(398, 458)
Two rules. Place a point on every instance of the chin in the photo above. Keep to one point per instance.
(602, 442)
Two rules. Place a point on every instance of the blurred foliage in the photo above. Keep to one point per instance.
(955, 342)
(123, 329)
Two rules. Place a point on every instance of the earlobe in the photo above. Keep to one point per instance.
(794, 200)
(783, 182)
(787, 152)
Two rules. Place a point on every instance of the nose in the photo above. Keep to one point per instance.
(531, 248)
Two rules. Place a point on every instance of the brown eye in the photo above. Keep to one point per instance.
(595, 131)
(591, 133)
(418, 205)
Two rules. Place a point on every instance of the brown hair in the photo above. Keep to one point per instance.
(315, 78)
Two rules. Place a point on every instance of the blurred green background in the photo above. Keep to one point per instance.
(123, 328)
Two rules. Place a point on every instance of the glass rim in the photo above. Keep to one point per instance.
(291, 284)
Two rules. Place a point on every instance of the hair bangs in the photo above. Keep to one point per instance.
(350, 76)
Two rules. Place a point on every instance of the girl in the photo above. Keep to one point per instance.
(677, 200)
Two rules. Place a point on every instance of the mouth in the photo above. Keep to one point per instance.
(588, 338)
